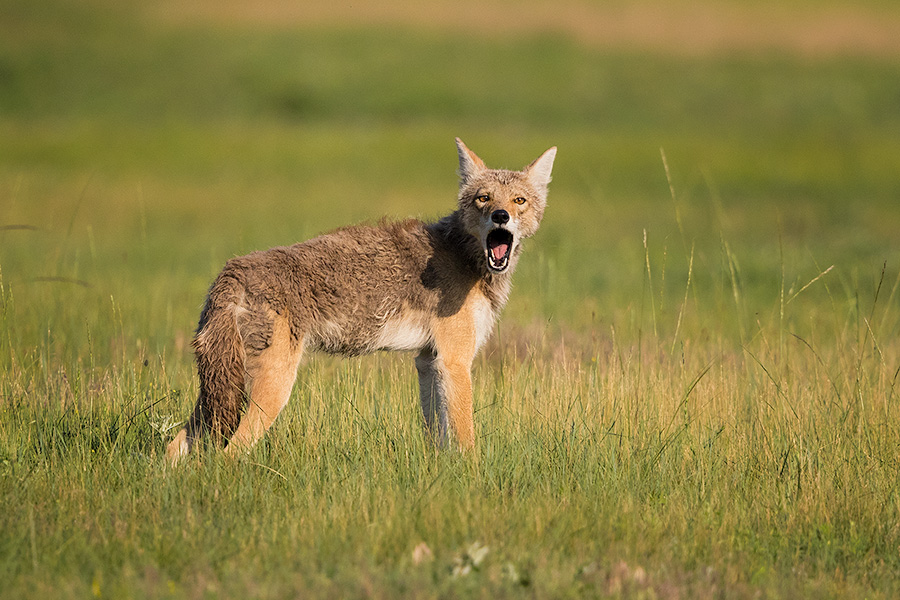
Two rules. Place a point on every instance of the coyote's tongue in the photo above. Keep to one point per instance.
(499, 251)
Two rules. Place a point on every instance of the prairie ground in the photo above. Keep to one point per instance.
(691, 394)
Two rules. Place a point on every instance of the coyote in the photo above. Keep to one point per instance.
(432, 288)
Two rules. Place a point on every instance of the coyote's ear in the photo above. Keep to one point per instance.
(538, 172)
(469, 163)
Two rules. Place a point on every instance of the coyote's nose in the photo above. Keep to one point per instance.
(500, 217)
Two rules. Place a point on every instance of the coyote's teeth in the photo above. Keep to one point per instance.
(499, 246)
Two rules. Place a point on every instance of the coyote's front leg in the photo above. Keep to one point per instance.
(452, 368)
(457, 380)
(432, 398)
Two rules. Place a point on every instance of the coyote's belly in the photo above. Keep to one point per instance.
(354, 338)
(404, 332)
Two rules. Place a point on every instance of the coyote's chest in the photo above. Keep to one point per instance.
(483, 318)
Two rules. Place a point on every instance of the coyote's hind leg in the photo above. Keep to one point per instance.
(271, 375)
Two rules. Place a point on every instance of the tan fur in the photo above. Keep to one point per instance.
(270, 377)
(454, 344)
(433, 288)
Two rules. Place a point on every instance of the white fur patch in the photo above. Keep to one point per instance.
(405, 332)
(328, 334)
(485, 318)
(330, 330)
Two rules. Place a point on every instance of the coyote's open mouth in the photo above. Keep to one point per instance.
(499, 247)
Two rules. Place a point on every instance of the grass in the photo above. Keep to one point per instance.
(692, 393)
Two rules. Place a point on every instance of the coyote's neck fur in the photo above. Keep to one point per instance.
(451, 233)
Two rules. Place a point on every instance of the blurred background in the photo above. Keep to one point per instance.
(745, 144)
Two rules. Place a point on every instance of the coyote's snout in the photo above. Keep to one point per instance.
(433, 288)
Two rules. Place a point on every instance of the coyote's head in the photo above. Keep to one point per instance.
(500, 208)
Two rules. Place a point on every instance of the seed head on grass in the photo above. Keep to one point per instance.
(470, 560)
(422, 554)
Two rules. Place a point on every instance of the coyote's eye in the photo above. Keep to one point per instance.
(482, 198)
(519, 200)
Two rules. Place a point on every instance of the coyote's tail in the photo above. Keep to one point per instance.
(219, 349)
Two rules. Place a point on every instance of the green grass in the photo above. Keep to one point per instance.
(701, 414)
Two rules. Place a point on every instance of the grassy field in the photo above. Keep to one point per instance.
(691, 394)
